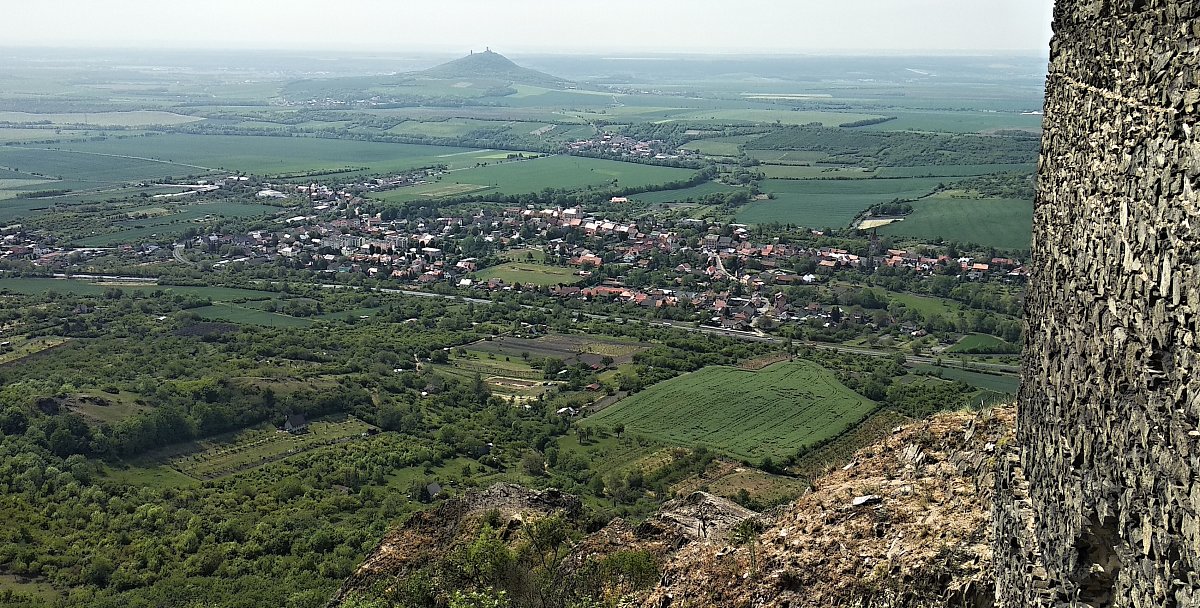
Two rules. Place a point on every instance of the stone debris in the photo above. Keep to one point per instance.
(884, 533)
(869, 499)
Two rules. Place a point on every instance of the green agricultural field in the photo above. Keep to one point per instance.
(529, 274)
(1000, 383)
(1002, 223)
(100, 119)
(27, 286)
(17, 186)
(748, 415)
(829, 203)
(91, 169)
(455, 127)
(684, 194)
(719, 146)
(570, 348)
(183, 154)
(566, 172)
(787, 117)
(8, 134)
(954, 170)
(983, 344)
(429, 191)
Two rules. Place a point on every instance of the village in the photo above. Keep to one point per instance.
(730, 276)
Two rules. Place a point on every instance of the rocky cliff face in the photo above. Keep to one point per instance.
(906, 523)
(1097, 502)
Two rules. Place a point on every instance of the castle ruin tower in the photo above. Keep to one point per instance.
(1098, 501)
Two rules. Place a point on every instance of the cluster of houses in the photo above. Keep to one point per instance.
(900, 258)
(616, 145)
(715, 272)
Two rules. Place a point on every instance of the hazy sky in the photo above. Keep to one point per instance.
(536, 25)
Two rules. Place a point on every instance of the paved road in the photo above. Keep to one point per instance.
(752, 336)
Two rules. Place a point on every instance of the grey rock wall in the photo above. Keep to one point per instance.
(1097, 499)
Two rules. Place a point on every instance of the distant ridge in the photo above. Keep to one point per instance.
(492, 65)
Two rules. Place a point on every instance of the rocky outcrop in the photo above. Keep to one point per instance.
(1097, 502)
(427, 535)
(906, 523)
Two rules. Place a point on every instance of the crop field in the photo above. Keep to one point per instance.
(829, 203)
(16, 186)
(1002, 223)
(24, 285)
(569, 172)
(748, 415)
(260, 155)
(454, 127)
(529, 274)
(983, 344)
(719, 146)
(999, 383)
(787, 117)
(571, 348)
(683, 194)
(10, 134)
(430, 191)
(84, 169)
(100, 119)
(953, 170)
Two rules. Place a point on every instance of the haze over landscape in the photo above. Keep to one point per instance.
(526, 26)
(597, 304)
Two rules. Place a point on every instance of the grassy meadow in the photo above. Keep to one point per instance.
(179, 154)
(829, 203)
(745, 414)
(529, 274)
(563, 172)
(1002, 223)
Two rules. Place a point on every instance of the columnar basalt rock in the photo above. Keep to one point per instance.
(1097, 501)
